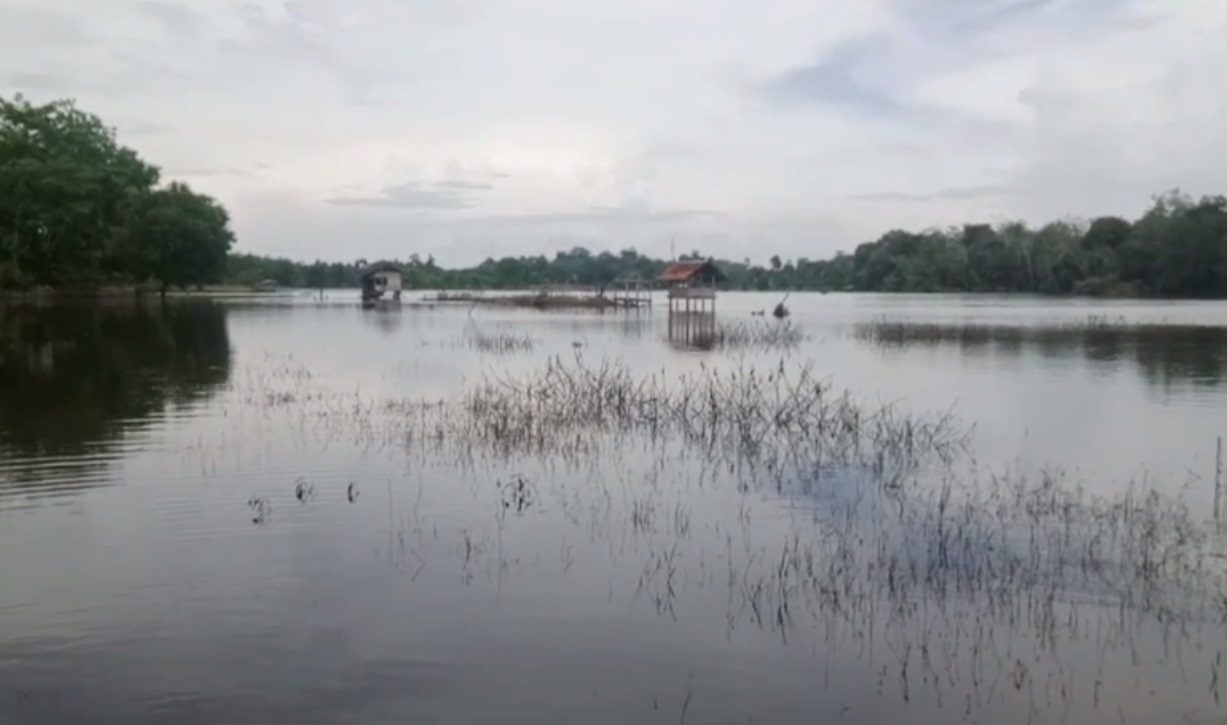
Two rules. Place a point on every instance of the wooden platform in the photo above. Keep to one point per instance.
(692, 293)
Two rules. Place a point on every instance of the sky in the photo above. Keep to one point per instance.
(464, 129)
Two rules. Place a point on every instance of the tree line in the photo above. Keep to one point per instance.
(1178, 248)
(79, 210)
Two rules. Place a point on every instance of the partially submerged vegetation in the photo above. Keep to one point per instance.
(534, 300)
(499, 341)
(790, 509)
(1094, 332)
(761, 335)
(898, 332)
(958, 583)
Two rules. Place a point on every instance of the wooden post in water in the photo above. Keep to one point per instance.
(1218, 483)
(691, 297)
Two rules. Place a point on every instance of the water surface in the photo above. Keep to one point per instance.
(241, 513)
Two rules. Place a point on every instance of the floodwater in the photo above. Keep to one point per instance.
(294, 510)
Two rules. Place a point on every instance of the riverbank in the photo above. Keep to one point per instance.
(535, 301)
(121, 292)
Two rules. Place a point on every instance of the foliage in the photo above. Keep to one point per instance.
(176, 237)
(1178, 248)
(577, 266)
(79, 209)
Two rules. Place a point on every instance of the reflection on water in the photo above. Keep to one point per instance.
(75, 381)
(446, 515)
(1161, 354)
(385, 318)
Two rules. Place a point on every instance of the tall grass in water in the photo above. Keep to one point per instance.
(1016, 586)
(924, 525)
(959, 585)
(497, 341)
(1093, 329)
(774, 418)
(763, 335)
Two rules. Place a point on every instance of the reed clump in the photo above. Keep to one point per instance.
(959, 584)
(915, 520)
(783, 417)
(762, 335)
(536, 300)
(1094, 330)
(497, 341)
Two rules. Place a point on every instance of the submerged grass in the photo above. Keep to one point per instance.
(762, 335)
(498, 341)
(1093, 329)
(922, 523)
(776, 418)
(539, 300)
(961, 586)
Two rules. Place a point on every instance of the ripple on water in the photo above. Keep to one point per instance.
(163, 601)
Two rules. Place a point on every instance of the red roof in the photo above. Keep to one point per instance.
(681, 271)
(689, 270)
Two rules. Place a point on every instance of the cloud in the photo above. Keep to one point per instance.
(464, 185)
(468, 236)
(37, 80)
(453, 192)
(141, 128)
(306, 32)
(834, 80)
(24, 25)
(600, 216)
(960, 193)
(179, 21)
(408, 196)
(798, 127)
(196, 173)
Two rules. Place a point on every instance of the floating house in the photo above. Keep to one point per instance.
(691, 289)
(381, 281)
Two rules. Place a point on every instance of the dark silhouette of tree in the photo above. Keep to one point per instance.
(176, 237)
(78, 209)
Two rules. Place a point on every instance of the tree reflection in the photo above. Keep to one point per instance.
(76, 379)
(1163, 355)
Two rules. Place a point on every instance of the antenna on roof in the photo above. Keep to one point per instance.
(672, 248)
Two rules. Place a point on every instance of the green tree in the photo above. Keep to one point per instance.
(64, 182)
(176, 237)
(1178, 248)
(1106, 232)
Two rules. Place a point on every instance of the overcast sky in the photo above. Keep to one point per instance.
(469, 128)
